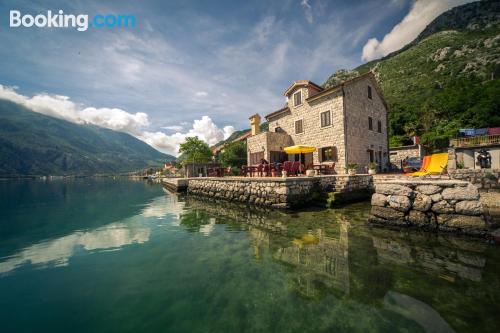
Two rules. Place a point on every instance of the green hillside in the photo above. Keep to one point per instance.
(448, 78)
(35, 144)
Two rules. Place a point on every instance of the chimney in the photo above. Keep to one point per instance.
(255, 124)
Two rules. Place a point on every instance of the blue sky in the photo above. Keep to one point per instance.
(194, 67)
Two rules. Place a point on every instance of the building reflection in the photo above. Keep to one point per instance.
(319, 259)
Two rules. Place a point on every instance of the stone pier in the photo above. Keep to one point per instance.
(446, 205)
(277, 192)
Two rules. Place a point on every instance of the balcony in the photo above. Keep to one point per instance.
(475, 141)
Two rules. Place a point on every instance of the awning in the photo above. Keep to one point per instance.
(299, 149)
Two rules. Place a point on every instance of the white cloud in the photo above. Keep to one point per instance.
(204, 128)
(420, 15)
(307, 11)
(119, 120)
(201, 94)
(62, 107)
(175, 128)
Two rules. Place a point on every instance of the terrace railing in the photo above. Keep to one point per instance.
(473, 141)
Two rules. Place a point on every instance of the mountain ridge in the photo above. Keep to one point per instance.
(35, 144)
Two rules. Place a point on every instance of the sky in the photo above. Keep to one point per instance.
(193, 68)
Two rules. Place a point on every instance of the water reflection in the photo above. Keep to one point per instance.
(432, 280)
(57, 252)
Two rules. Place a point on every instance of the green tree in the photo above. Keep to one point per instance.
(195, 150)
(234, 154)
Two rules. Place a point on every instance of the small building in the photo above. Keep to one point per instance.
(463, 152)
(191, 170)
(347, 124)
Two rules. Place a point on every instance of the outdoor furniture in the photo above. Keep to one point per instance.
(215, 172)
(436, 165)
(324, 169)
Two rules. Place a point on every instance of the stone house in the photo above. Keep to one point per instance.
(347, 124)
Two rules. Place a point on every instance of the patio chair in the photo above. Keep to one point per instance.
(436, 165)
(296, 166)
(287, 166)
(243, 170)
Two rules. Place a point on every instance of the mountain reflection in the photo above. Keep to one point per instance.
(58, 251)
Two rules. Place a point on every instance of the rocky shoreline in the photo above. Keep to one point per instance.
(444, 205)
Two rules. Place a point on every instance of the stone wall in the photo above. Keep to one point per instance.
(284, 193)
(274, 192)
(487, 180)
(398, 154)
(446, 205)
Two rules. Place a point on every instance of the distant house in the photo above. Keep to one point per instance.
(347, 124)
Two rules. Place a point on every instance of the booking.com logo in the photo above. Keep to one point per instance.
(61, 20)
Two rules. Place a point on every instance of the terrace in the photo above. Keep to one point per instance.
(475, 141)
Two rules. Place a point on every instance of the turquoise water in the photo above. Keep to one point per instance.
(124, 256)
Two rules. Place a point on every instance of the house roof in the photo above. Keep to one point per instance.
(335, 88)
(278, 112)
(299, 83)
(325, 92)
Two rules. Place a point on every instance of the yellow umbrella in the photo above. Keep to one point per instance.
(299, 149)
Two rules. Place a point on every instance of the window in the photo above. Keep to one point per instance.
(256, 157)
(298, 127)
(370, 123)
(369, 92)
(278, 157)
(326, 118)
(379, 126)
(328, 154)
(278, 130)
(379, 157)
(297, 98)
(371, 153)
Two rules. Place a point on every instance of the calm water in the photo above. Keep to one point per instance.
(124, 256)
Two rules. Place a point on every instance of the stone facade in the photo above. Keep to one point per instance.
(446, 205)
(348, 133)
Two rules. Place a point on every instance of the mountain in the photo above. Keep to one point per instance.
(446, 79)
(35, 144)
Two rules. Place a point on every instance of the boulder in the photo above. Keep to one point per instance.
(387, 213)
(436, 197)
(469, 207)
(461, 221)
(379, 200)
(461, 193)
(417, 217)
(428, 189)
(399, 202)
(442, 207)
(422, 202)
(393, 189)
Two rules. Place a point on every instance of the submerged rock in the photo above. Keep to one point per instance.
(461, 221)
(417, 217)
(379, 200)
(387, 213)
